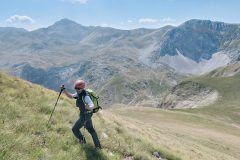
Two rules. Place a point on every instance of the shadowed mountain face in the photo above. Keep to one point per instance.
(124, 66)
(197, 39)
(198, 46)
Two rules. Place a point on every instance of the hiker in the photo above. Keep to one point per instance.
(86, 106)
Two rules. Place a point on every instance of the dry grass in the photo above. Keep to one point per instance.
(182, 136)
(136, 132)
(25, 134)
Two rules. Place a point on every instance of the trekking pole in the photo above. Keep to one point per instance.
(62, 88)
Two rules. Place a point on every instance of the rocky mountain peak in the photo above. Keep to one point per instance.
(196, 39)
(66, 25)
(206, 26)
(65, 22)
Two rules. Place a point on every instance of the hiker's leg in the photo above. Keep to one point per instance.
(92, 131)
(76, 128)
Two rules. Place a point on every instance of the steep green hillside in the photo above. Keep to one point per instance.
(189, 135)
(227, 107)
(209, 132)
(224, 106)
(25, 134)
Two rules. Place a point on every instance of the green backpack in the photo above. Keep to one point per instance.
(94, 99)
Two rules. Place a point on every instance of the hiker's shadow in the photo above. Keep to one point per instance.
(94, 154)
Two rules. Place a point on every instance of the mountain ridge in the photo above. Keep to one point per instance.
(67, 51)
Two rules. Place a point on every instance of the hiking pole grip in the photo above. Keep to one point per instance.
(62, 88)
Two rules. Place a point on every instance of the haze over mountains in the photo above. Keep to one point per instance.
(126, 66)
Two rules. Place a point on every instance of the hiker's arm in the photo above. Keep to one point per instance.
(69, 95)
(89, 104)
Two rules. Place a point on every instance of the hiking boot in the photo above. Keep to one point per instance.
(98, 147)
(82, 141)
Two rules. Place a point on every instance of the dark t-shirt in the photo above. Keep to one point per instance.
(80, 100)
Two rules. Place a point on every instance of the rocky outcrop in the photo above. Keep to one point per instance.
(228, 71)
(189, 95)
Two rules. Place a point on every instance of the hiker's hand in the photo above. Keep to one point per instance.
(88, 108)
(63, 87)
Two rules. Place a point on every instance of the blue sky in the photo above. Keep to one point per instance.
(123, 14)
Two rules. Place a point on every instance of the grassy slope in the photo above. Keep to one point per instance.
(205, 133)
(227, 107)
(25, 134)
(211, 132)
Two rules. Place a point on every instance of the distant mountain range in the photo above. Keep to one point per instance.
(124, 66)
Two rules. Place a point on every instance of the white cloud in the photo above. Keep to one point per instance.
(17, 19)
(21, 21)
(167, 19)
(107, 25)
(104, 25)
(129, 21)
(77, 1)
(148, 20)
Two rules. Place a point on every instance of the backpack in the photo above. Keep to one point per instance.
(94, 99)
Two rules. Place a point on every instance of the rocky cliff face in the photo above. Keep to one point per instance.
(188, 95)
(199, 39)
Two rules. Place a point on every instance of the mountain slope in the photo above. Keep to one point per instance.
(228, 105)
(132, 76)
(199, 39)
(209, 131)
(188, 135)
(203, 45)
(189, 94)
(225, 106)
(25, 134)
(228, 71)
(68, 51)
